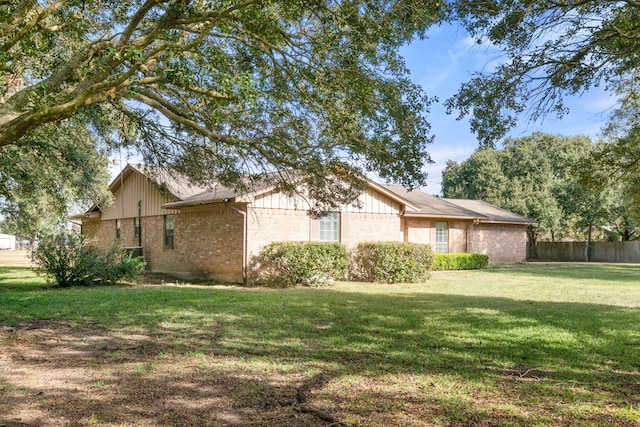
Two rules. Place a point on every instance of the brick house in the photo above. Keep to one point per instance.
(214, 232)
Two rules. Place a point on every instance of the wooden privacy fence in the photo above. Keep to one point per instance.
(598, 251)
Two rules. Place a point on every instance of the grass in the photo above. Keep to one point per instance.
(535, 344)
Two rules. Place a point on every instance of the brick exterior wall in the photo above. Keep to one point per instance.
(275, 225)
(207, 242)
(279, 225)
(102, 233)
(504, 243)
(418, 231)
(369, 227)
(457, 236)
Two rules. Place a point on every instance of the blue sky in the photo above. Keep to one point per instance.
(446, 59)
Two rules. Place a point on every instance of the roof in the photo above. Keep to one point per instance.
(416, 203)
(491, 212)
(477, 210)
(431, 206)
(177, 185)
(189, 195)
(218, 193)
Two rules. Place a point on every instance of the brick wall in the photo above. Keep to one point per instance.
(418, 230)
(102, 233)
(421, 230)
(370, 227)
(504, 243)
(207, 242)
(277, 225)
(457, 236)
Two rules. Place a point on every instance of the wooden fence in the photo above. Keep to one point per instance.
(598, 251)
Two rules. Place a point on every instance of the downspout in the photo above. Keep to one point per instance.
(466, 246)
(140, 223)
(468, 234)
(244, 239)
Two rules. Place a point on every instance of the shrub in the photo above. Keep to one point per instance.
(290, 263)
(392, 262)
(68, 260)
(460, 261)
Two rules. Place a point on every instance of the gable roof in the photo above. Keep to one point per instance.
(477, 210)
(417, 203)
(491, 212)
(176, 185)
(431, 206)
(187, 194)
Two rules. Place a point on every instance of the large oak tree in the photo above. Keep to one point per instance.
(219, 89)
(551, 50)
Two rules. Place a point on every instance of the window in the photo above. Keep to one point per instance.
(136, 227)
(330, 227)
(168, 231)
(442, 237)
(118, 228)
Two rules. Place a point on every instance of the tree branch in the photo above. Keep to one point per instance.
(175, 114)
(135, 20)
(29, 25)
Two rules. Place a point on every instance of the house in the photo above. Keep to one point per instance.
(7, 242)
(215, 232)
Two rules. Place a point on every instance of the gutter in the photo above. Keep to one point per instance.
(244, 239)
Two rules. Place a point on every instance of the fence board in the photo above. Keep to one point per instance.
(599, 251)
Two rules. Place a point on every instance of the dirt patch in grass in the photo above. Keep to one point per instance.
(63, 373)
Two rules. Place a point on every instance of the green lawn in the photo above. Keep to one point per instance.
(534, 344)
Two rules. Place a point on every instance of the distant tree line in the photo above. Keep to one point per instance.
(548, 178)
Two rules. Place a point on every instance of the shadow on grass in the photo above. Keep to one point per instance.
(21, 279)
(315, 357)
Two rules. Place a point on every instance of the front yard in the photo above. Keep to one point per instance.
(525, 345)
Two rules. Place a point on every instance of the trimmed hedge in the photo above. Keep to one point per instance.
(291, 263)
(460, 261)
(392, 262)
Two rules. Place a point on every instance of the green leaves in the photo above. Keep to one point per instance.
(67, 260)
(53, 170)
(291, 263)
(535, 176)
(551, 50)
(392, 262)
(216, 90)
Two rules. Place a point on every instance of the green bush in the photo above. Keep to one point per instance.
(460, 261)
(392, 262)
(66, 259)
(290, 263)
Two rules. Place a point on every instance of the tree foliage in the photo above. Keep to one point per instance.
(552, 49)
(217, 89)
(537, 176)
(52, 169)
